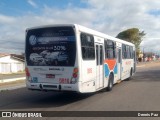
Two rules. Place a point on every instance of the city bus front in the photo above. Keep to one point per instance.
(51, 63)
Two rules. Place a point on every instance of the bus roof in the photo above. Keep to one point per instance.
(99, 34)
(52, 25)
(86, 30)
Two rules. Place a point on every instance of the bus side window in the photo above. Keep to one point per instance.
(110, 49)
(87, 46)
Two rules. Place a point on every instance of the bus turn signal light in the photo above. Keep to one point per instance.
(75, 70)
(27, 72)
(75, 75)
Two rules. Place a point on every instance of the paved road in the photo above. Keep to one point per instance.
(142, 93)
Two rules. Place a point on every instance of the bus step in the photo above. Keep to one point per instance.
(118, 81)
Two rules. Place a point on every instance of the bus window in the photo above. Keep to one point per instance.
(101, 55)
(131, 52)
(87, 45)
(110, 48)
(52, 46)
(97, 57)
(127, 51)
(124, 51)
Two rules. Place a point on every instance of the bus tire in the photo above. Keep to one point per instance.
(130, 77)
(110, 83)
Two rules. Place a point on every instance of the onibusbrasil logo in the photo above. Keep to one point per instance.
(32, 40)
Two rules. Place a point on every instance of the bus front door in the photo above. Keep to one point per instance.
(99, 66)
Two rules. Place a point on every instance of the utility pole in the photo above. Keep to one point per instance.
(143, 55)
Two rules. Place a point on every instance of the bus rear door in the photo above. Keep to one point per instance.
(99, 66)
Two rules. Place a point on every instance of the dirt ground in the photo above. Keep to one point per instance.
(148, 63)
(12, 83)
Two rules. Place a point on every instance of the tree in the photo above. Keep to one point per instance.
(133, 35)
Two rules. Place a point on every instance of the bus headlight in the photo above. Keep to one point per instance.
(28, 76)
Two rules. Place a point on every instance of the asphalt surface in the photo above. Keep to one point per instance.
(142, 93)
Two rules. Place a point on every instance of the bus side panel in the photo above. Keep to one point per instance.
(110, 66)
(88, 76)
(78, 59)
(127, 64)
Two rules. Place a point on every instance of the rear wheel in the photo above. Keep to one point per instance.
(110, 83)
(130, 76)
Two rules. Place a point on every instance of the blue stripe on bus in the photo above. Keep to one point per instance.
(115, 69)
(106, 69)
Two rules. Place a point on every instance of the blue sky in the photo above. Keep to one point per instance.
(155, 12)
(20, 7)
(107, 16)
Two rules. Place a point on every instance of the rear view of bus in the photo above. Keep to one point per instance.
(50, 54)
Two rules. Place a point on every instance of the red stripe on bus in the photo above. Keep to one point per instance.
(111, 63)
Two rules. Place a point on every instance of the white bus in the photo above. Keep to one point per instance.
(71, 57)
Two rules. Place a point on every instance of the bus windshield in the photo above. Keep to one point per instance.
(51, 46)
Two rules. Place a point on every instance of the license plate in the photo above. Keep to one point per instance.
(50, 76)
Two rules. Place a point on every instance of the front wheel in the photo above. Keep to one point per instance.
(110, 83)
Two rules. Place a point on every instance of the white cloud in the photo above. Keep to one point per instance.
(6, 19)
(33, 4)
(110, 17)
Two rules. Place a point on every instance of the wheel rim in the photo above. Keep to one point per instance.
(110, 82)
(110, 85)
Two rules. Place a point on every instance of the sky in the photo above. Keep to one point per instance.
(107, 16)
